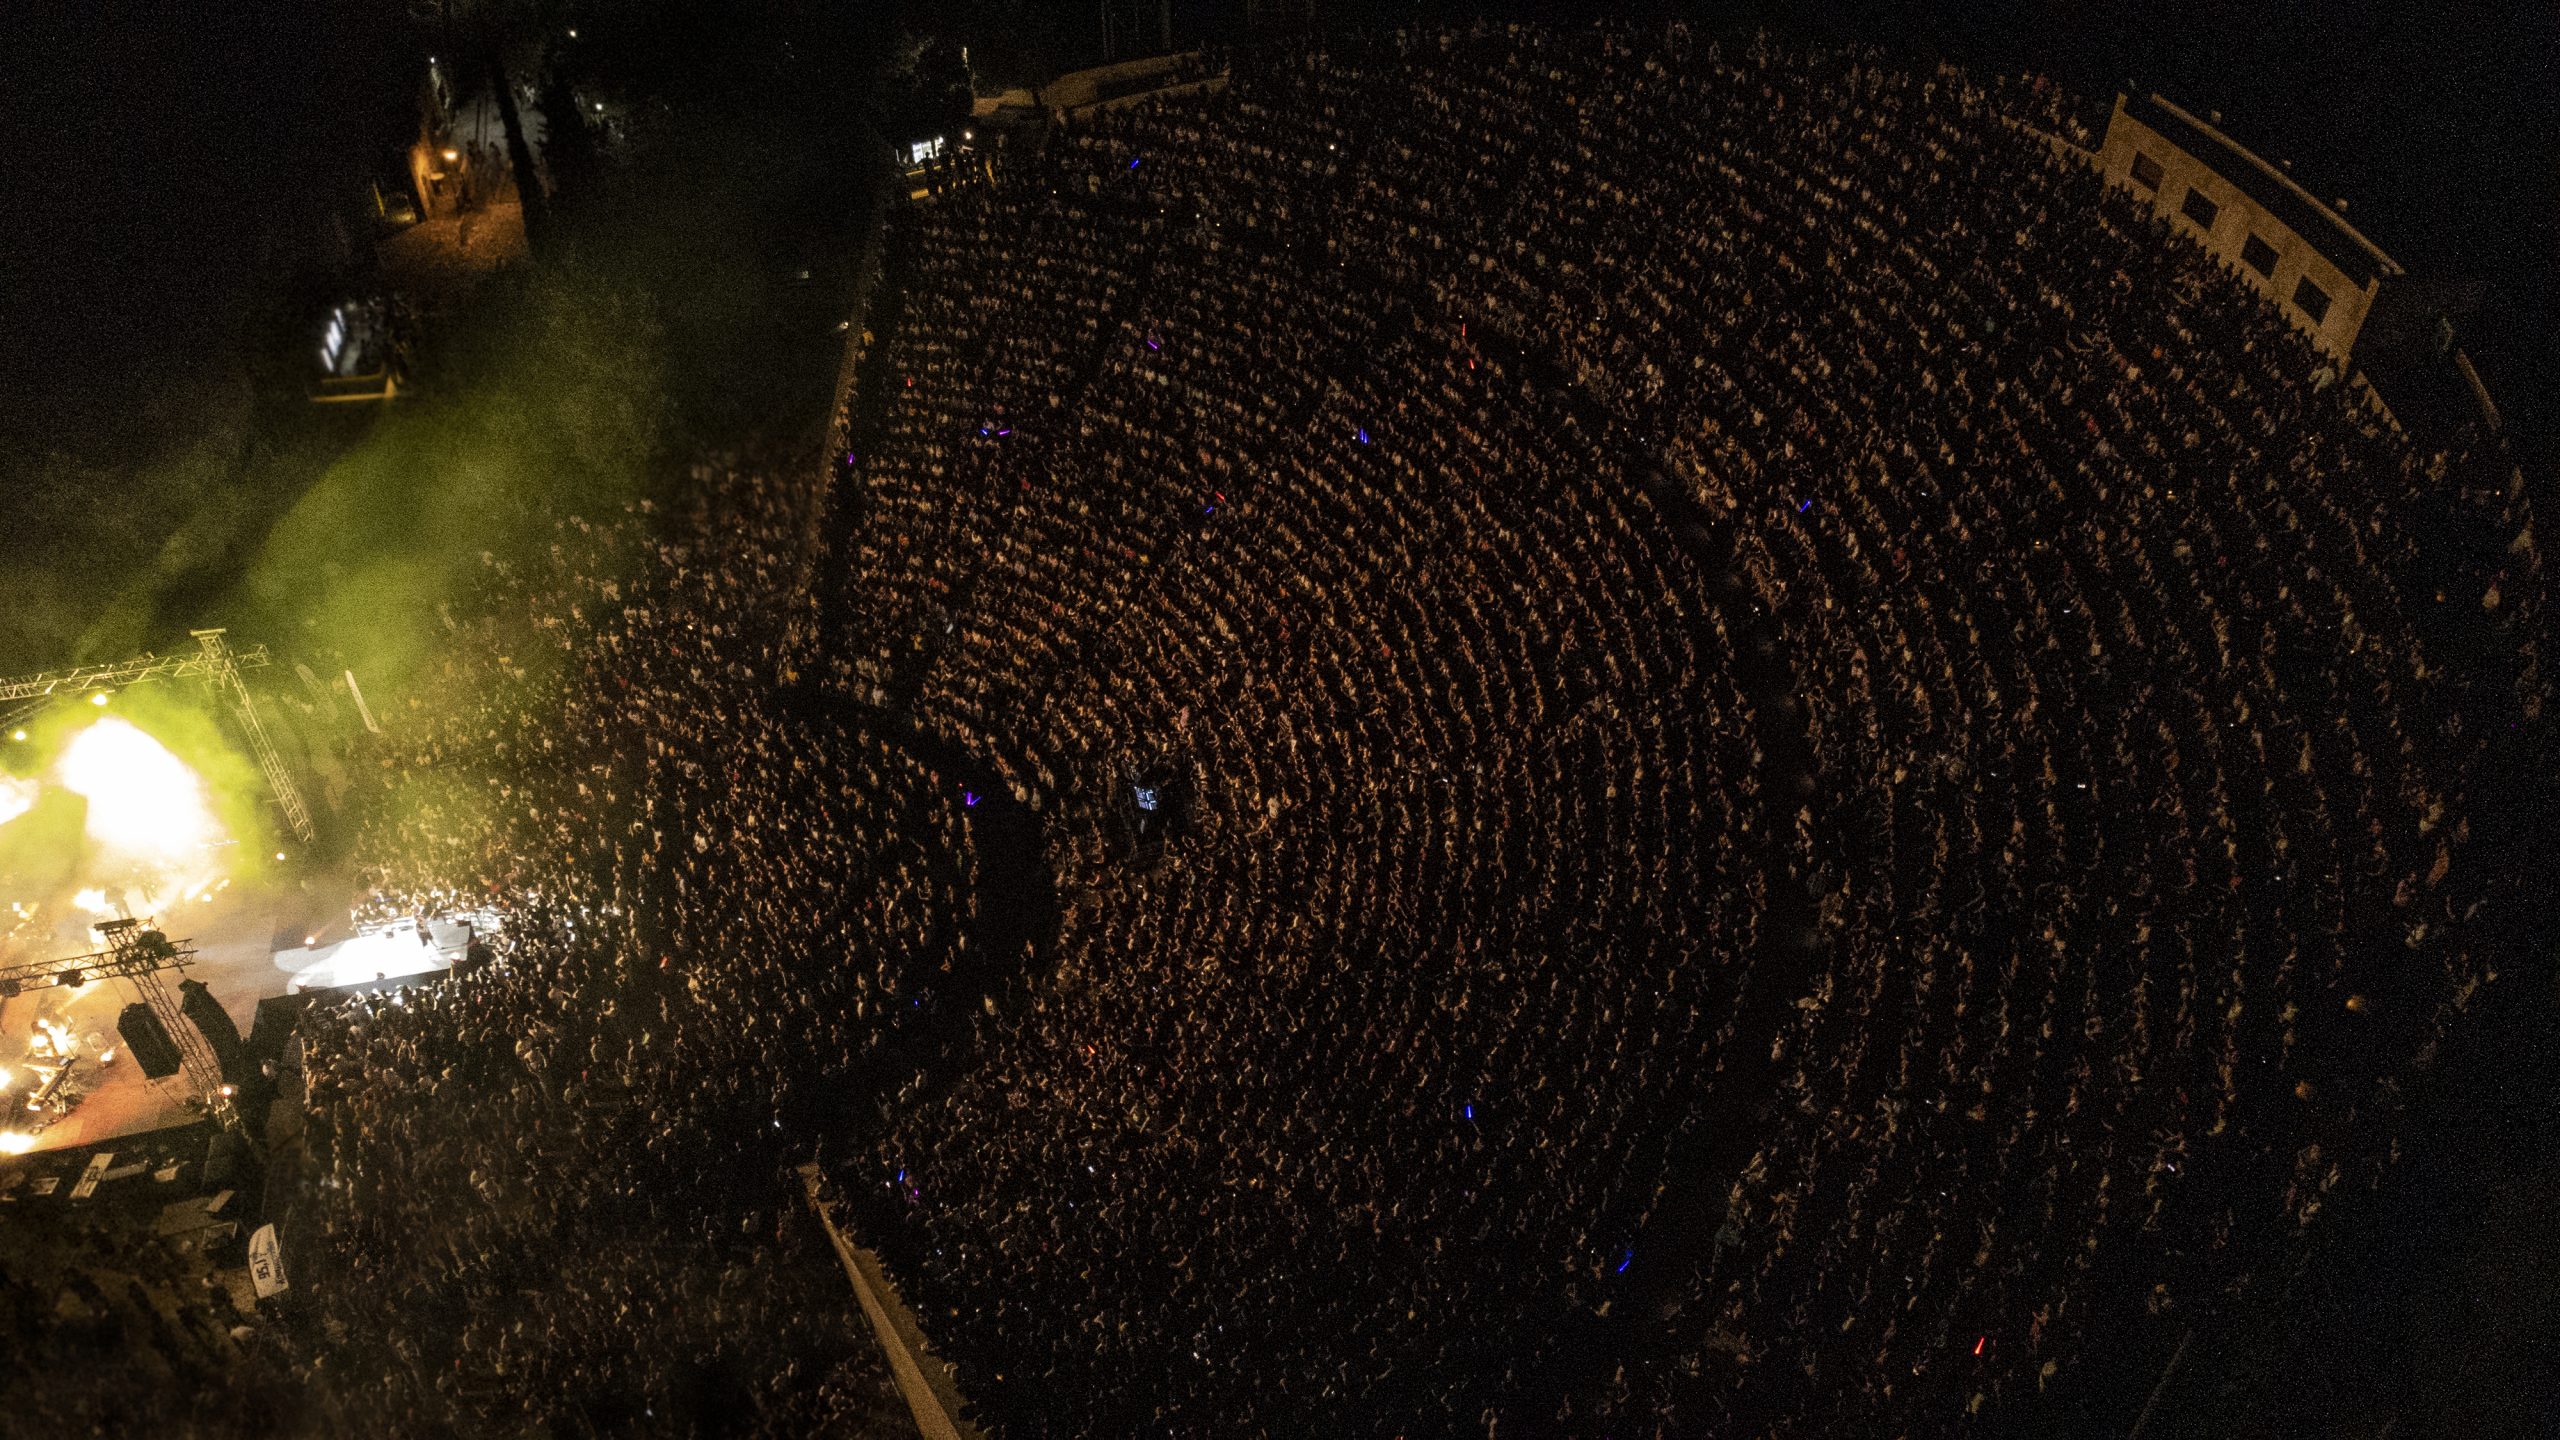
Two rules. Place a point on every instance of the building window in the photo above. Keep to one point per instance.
(2311, 300)
(2146, 171)
(2258, 255)
(2197, 208)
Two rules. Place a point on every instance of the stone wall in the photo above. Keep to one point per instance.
(2163, 155)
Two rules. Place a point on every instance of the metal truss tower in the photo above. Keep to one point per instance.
(215, 663)
(137, 956)
(222, 672)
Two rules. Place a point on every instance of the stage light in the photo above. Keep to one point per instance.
(19, 735)
(279, 854)
(144, 802)
(97, 697)
(452, 155)
(17, 797)
(16, 1142)
(368, 955)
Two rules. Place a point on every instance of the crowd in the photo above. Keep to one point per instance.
(1815, 770)
(1425, 483)
(115, 1310)
(552, 1194)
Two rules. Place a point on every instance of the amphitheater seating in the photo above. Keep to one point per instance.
(1819, 787)
(1335, 436)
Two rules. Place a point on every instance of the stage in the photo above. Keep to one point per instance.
(244, 955)
(384, 952)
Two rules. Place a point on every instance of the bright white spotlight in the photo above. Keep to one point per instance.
(97, 697)
(16, 1142)
(143, 801)
(17, 797)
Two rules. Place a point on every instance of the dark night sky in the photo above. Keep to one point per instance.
(162, 167)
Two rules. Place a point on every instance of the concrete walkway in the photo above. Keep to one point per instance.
(932, 1393)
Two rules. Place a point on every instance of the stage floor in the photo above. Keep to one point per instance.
(247, 949)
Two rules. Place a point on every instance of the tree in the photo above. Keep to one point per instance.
(486, 29)
(537, 205)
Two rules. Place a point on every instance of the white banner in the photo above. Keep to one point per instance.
(96, 1171)
(362, 708)
(266, 1263)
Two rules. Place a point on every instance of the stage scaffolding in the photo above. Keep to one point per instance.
(138, 956)
(215, 663)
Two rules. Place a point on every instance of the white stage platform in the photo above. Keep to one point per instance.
(385, 952)
(234, 959)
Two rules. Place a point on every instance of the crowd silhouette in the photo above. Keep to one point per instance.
(113, 1331)
(552, 1190)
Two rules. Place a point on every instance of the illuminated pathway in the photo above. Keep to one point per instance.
(932, 1392)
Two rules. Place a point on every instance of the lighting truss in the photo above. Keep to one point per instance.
(139, 956)
(214, 662)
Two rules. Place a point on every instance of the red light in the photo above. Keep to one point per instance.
(1979, 1342)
